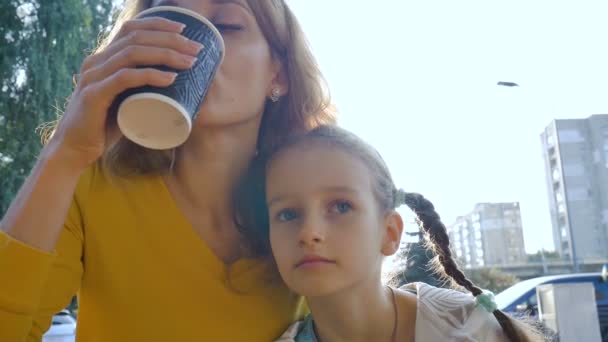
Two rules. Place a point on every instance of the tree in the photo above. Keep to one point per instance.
(491, 279)
(42, 44)
(541, 255)
(414, 264)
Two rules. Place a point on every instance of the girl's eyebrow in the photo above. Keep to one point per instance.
(275, 200)
(333, 188)
(337, 188)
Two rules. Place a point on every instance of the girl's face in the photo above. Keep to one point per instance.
(327, 231)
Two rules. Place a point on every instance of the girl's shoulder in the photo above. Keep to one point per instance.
(446, 314)
(441, 315)
(300, 331)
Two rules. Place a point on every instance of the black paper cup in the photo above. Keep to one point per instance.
(161, 118)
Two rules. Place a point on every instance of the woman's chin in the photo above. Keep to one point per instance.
(222, 119)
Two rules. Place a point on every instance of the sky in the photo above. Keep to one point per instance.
(417, 80)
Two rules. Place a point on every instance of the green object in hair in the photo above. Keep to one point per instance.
(398, 197)
(486, 300)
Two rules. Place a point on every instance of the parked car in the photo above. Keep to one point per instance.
(520, 299)
(63, 328)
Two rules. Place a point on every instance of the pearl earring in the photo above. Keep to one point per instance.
(276, 94)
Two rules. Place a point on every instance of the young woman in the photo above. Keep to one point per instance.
(146, 237)
(324, 204)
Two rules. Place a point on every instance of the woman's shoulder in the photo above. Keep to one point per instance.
(98, 189)
(96, 178)
(446, 313)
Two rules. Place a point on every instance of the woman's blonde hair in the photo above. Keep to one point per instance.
(306, 105)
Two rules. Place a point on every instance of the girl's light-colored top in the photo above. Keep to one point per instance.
(441, 315)
(141, 272)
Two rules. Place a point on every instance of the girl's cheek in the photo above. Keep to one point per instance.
(279, 236)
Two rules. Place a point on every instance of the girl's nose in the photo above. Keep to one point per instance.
(311, 232)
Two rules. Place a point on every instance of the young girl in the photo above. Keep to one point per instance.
(325, 205)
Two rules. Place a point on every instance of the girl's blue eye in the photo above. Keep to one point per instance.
(286, 215)
(341, 207)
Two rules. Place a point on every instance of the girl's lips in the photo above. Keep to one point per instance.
(313, 260)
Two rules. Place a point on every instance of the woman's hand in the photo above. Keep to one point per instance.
(80, 138)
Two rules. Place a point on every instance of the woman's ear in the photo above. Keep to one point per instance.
(393, 228)
(279, 85)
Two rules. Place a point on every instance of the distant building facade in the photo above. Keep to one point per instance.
(575, 152)
(490, 235)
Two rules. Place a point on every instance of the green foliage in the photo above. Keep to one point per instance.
(42, 44)
(414, 265)
(547, 255)
(491, 279)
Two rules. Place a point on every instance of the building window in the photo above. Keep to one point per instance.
(574, 170)
(606, 152)
(578, 194)
(597, 156)
(553, 163)
(568, 136)
(555, 174)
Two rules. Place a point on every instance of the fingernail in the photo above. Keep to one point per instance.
(196, 47)
(170, 76)
(189, 60)
(182, 27)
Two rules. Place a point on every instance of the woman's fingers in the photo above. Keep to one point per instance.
(136, 55)
(154, 24)
(124, 79)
